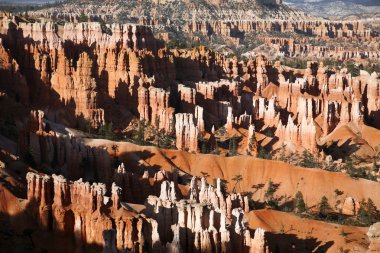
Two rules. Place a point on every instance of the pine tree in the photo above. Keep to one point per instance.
(283, 153)
(307, 160)
(362, 212)
(28, 158)
(324, 207)
(372, 211)
(106, 130)
(237, 179)
(350, 166)
(109, 131)
(269, 195)
(204, 148)
(299, 203)
(264, 154)
(232, 148)
(217, 151)
(253, 146)
(88, 127)
(115, 149)
(270, 190)
(83, 17)
(141, 133)
(367, 213)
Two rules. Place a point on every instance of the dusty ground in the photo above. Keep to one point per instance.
(290, 232)
(313, 183)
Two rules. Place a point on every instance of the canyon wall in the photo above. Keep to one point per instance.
(207, 221)
(85, 76)
(305, 48)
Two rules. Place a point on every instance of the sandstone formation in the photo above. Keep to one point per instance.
(186, 132)
(69, 87)
(373, 234)
(320, 28)
(304, 48)
(81, 75)
(84, 212)
(350, 206)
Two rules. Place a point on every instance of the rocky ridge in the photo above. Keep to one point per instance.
(130, 75)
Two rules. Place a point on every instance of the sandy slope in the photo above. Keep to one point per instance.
(362, 140)
(314, 183)
(290, 233)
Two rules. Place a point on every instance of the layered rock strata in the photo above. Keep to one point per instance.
(206, 222)
(83, 76)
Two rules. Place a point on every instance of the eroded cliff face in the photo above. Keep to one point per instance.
(85, 75)
(10, 73)
(304, 48)
(323, 29)
(82, 69)
(76, 210)
(204, 221)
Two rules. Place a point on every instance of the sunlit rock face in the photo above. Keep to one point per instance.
(207, 221)
(84, 76)
(373, 235)
(87, 192)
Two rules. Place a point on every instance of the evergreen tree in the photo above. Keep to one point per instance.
(204, 148)
(353, 69)
(115, 149)
(106, 131)
(232, 148)
(237, 179)
(368, 212)
(374, 166)
(349, 164)
(222, 132)
(83, 17)
(324, 207)
(264, 154)
(109, 132)
(270, 190)
(338, 192)
(28, 158)
(88, 127)
(307, 159)
(141, 133)
(217, 151)
(372, 211)
(299, 203)
(376, 158)
(253, 145)
(362, 212)
(283, 157)
(269, 195)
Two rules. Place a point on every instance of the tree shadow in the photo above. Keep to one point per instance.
(137, 161)
(341, 151)
(290, 243)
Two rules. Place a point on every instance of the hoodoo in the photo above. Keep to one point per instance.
(189, 126)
